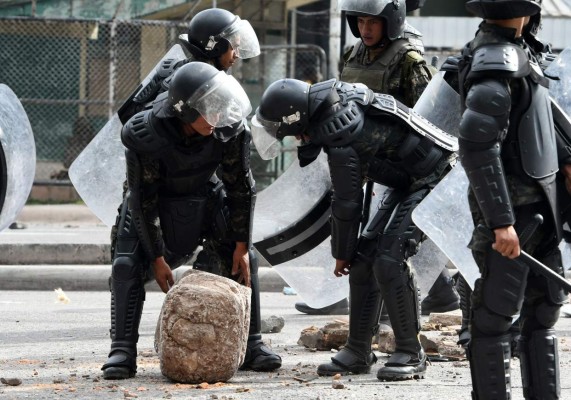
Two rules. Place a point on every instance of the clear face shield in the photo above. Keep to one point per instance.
(264, 135)
(242, 38)
(221, 101)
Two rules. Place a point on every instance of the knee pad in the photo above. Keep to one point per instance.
(126, 268)
(547, 314)
(487, 323)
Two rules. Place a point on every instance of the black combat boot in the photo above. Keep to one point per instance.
(127, 298)
(339, 308)
(356, 357)
(442, 296)
(259, 357)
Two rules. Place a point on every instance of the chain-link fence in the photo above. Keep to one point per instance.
(72, 75)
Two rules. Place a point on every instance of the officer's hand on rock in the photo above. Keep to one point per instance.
(163, 274)
(241, 263)
(507, 242)
(342, 267)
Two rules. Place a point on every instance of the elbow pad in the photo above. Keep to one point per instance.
(486, 118)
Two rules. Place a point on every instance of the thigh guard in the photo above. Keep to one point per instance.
(401, 238)
(498, 295)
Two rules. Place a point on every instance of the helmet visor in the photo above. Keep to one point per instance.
(221, 101)
(264, 137)
(242, 38)
(363, 7)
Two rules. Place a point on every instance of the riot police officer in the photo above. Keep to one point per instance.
(374, 137)
(174, 201)
(214, 36)
(508, 149)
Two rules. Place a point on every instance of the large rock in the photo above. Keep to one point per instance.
(203, 328)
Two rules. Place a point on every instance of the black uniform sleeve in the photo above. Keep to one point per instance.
(142, 181)
(240, 190)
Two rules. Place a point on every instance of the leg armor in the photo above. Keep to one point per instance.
(539, 359)
(465, 293)
(490, 367)
(127, 297)
(356, 357)
(217, 256)
(259, 357)
(498, 296)
(400, 241)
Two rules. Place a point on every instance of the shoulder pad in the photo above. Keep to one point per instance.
(356, 92)
(451, 64)
(140, 134)
(321, 95)
(164, 70)
(506, 59)
(386, 104)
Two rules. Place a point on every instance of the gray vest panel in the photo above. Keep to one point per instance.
(537, 136)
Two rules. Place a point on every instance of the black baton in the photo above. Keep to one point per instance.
(532, 263)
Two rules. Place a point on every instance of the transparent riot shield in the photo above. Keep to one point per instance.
(98, 172)
(560, 89)
(444, 215)
(17, 156)
(291, 231)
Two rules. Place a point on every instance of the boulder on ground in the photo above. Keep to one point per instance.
(203, 328)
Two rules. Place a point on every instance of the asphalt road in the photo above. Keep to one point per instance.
(57, 349)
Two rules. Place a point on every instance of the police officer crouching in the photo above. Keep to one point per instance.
(174, 202)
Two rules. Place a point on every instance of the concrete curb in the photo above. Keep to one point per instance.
(67, 246)
(94, 278)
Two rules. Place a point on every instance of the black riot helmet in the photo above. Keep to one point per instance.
(199, 89)
(283, 111)
(503, 9)
(393, 13)
(211, 32)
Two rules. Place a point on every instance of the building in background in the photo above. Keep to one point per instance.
(73, 62)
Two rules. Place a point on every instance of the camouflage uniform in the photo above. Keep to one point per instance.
(239, 199)
(396, 68)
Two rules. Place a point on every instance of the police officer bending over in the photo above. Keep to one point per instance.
(174, 202)
(366, 136)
